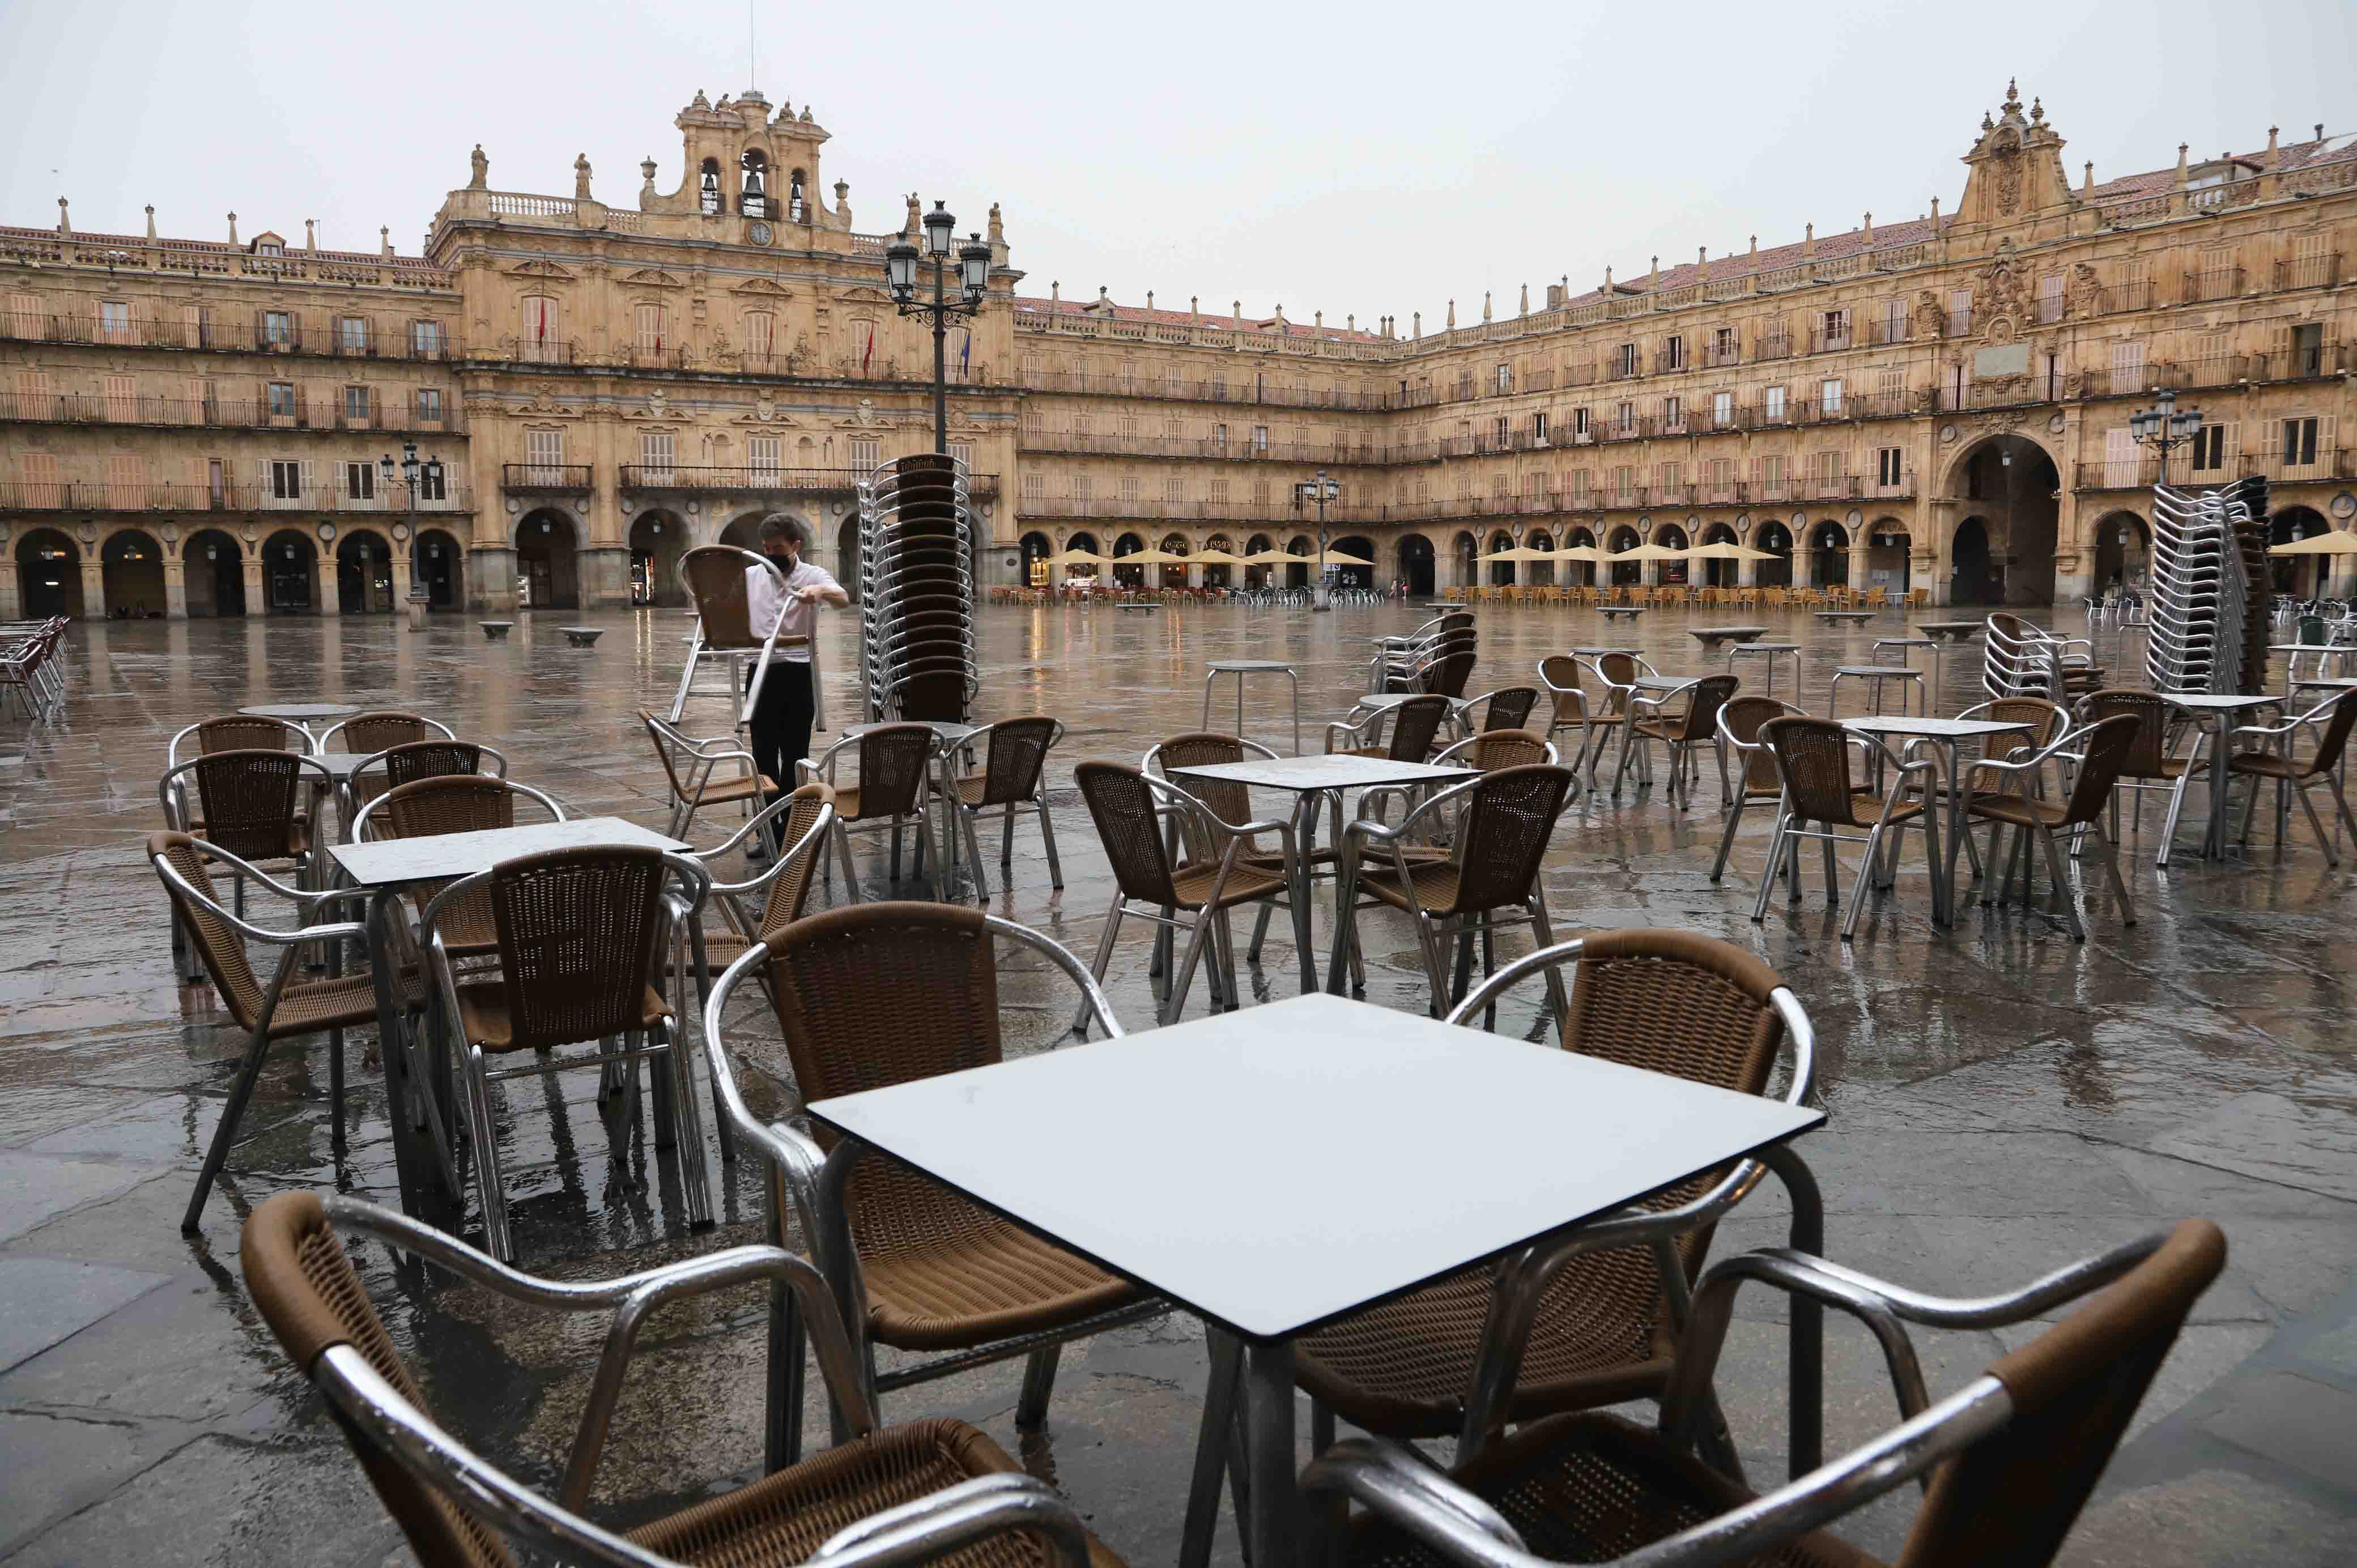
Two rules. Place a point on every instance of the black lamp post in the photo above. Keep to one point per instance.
(410, 470)
(1322, 490)
(2164, 429)
(900, 260)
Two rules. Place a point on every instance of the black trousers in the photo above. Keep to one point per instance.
(782, 720)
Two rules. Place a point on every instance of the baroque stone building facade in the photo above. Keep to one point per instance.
(191, 428)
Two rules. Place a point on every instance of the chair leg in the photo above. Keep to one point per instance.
(2062, 884)
(1260, 930)
(2323, 841)
(2119, 885)
(1832, 867)
(1176, 1003)
(1620, 771)
(1866, 865)
(490, 1184)
(1775, 857)
(973, 847)
(2176, 811)
(336, 1081)
(1727, 846)
(1047, 837)
(225, 1134)
(2251, 808)
(1104, 958)
(1543, 932)
(1039, 1383)
(850, 870)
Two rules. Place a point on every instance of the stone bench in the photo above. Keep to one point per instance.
(496, 630)
(582, 635)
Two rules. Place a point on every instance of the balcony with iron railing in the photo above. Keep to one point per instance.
(210, 334)
(1669, 362)
(1898, 488)
(2307, 271)
(2212, 284)
(653, 478)
(1772, 346)
(394, 416)
(1824, 341)
(1823, 487)
(1620, 367)
(1720, 356)
(545, 479)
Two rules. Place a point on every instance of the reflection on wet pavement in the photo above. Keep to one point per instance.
(2002, 1100)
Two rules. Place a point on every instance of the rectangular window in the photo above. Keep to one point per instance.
(356, 406)
(2299, 443)
(1673, 414)
(25, 319)
(1829, 397)
(1674, 352)
(543, 336)
(2209, 448)
(2127, 367)
(114, 321)
(760, 333)
(1219, 490)
(351, 333)
(1722, 409)
(2120, 459)
(1894, 320)
(1722, 345)
(1624, 418)
(2049, 297)
(1260, 439)
(961, 452)
(655, 456)
(544, 454)
(127, 482)
(282, 399)
(359, 480)
(764, 456)
(429, 405)
(2308, 349)
(1505, 378)
(867, 454)
(122, 399)
(278, 328)
(433, 482)
(1887, 465)
(1084, 488)
(1625, 359)
(1960, 312)
(1539, 427)
(1174, 492)
(647, 328)
(1500, 432)
(1772, 402)
(285, 480)
(1220, 435)
(1579, 422)
(1035, 488)
(425, 339)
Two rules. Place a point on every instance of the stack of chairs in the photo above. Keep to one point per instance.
(30, 670)
(2203, 632)
(917, 591)
(1436, 657)
(2019, 660)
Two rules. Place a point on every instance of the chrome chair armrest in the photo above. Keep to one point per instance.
(958, 1517)
(1396, 1484)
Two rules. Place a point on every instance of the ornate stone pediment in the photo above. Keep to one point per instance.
(765, 411)
(862, 294)
(653, 277)
(763, 286)
(540, 398)
(539, 267)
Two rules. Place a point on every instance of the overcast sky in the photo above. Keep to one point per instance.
(1349, 158)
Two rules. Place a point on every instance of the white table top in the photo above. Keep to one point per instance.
(1309, 1157)
(1323, 772)
(1765, 648)
(1844, 615)
(1951, 625)
(1664, 683)
(1707, 632)
(391, 862)
(1923, 725)
(2213, 702)
(1230, 665)
(295, 713)
(941, 731)
(1624, 610)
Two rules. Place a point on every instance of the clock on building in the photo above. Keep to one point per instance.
(758, 233)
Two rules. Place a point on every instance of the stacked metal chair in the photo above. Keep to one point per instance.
(1442, 649)
(917, 591)
(2204, 635)
(2019, 660)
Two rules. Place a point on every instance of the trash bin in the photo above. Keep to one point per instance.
(419, 598)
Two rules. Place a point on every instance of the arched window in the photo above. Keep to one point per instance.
(797, 204)
(755, 200)
(708, 188)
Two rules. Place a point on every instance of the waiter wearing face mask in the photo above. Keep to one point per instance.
(788, 708)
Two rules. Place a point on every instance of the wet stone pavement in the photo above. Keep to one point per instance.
(2002, 1101)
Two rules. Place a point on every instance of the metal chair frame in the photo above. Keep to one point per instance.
(373, 1411)
(336, 729)
(1681, 747)
(809, 1184)
(823, 770)
(1789, 831)
(2278, 739)
(355, 779)
(703, 757)
(970, 817)
(678, 1124)
(2030, 767)
(1734, 789)
(698, 650)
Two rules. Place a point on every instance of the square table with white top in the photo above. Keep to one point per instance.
(385, 868)
(2215, 712)
(1947, 734)
(1268, 1193)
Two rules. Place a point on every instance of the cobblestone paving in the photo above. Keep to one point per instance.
(2002, 1100)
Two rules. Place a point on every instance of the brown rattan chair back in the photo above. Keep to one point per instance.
(1228, 801)
(1709, 695)
(2012, 1496)
(365, 734)
(238, 733)
(448, 803)
(1496, 749)
(1123, 808)
(2050, 719)
(892, 763)
(1619, 670)
(579, 932)
(2151, 749)
(790, 889)
(1813, 766)
(715, 575)
(1561, 670)
(1018, 755)
(2335, 739)
(663, 754)
(1743, 717)
(2109, 744)
(1448, 674)
(306, 1288)
(1507, 817)
(222, 948)
(247, 800)
(435, 758)
(1510, 707)
(1416, 726)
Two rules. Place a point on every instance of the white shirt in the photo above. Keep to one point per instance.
(763, 599)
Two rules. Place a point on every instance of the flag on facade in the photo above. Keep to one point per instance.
(867, 353)
(965, 356)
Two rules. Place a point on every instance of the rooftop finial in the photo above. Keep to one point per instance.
(65, 225)
(151, 219)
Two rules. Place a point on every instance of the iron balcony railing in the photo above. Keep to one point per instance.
(668, 478)
(211, 334)
(142, 408)
(530, 478)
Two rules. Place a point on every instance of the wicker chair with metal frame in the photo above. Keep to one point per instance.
(231, 732)
(1616, 673)
(1501, 823)
(750, 789)
(1594, 1317)
(1416, 726)
(2103, 748)
(412, 760)
(2050, 722)
(895, 767)
(281, 1009)
(1560, 674)
(924, 1491)
(1510, 707)
(2150, 766)
(1754, 776)
(1131, 810)
(1225, 803)
(1813, 764)
(249, 802)
(2008, 1461)
(368, 734)
(1013, 777)
(581, 938)
(880, 994)
(2274, 760)
(1678, 732)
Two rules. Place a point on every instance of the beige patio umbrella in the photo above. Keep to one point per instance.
(1215, 558)
(1344, 557)
(1727, 550)
(1271, 558)
(1519, 552)
(1649, 552)
(1075, 558)
(2331, 542)
(1150, 557)
(1588, 552)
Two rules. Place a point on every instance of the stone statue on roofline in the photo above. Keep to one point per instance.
(482, 166)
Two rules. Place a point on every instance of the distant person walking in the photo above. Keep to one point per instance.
(788, 708)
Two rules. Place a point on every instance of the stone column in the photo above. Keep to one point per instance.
(93, 589)
(491, 584)
(12, 605)
(257, 605)
(176, 588)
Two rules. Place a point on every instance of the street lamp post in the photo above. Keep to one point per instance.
(2164, 429)
(411, 471)
(900, 260)
(1322, 490)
